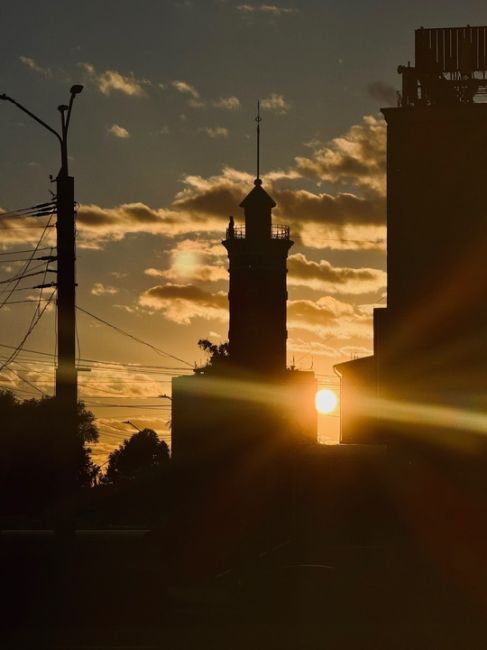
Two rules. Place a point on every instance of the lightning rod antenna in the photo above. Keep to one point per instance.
(258, 119)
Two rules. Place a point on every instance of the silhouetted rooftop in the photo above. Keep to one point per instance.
(258, 197)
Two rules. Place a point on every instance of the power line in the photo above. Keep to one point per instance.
(25, 250)
(130, 406)
(99, 361)
(26, 275)
(32, 210)
(26, 381)
(26, 225)
(25, 302)
(32, 268)
(19, 259)
(30, 329)
(14, 389)
(15, 290)
(26, 266)
(134, 338)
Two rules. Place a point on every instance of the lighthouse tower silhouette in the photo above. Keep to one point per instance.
(249, 400)
(257, 254)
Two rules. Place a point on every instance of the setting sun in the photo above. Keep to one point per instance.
(326, 401)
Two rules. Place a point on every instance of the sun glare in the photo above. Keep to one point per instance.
(326, 401)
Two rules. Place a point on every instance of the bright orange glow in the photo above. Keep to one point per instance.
(326, 401)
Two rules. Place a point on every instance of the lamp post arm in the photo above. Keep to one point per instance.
(34, 117)
(68, 117)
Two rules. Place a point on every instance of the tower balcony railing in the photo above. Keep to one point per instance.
(277, 232)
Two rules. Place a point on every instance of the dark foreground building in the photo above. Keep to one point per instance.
(430, 343)
(249, 400)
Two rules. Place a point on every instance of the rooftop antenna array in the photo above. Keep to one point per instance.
(450, 67)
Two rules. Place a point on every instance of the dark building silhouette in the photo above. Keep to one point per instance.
(249, 400)
(430, 343)
(257, 256)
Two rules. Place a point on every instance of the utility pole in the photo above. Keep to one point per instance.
(66, 374)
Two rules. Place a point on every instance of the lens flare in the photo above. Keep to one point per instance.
(326, 401)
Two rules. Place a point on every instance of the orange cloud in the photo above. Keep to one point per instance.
(182, 303)
(111, 81)
(335, 279)
(358, 157)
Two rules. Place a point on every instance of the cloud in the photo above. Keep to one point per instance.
(318, 220)
(336, 210)
(182, 303)
(275, 103)
(332, 350)
(313, 348)
(325, 317)
(202, 261)
(271, 10)
(100, 289)
(25, 230)
(214, 196)
(194, 271)
(358, 157)
(228, 103)
(343, 221)
(98, 225)
(195, 100)
(112, 81)
(118, 132)
(328, 316)
(334, 279)
(346, 237)
(383, 93)
(186, 89)
(215, 131)
(33, 65)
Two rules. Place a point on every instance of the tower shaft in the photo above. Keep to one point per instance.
(257, 297)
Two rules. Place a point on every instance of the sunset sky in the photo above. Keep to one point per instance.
(162, 147)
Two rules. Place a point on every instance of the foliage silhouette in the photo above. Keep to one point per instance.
(142, 455)
(218, 354)
(39, 460)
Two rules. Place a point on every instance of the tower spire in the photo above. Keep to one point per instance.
(258, 119)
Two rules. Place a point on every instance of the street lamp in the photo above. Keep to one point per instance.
(66, 375)
(62, 138)
(131, 424)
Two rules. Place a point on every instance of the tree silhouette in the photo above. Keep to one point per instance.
(142, 455)
(40, 460)
(218, 353)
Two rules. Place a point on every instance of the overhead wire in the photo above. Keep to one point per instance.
(18, 259)
(41, 209)
(26, 266)
(14, 291)
(35, 319)
(131, 336)
(26, 275)
(122, 364)
(26, 225)
(26, 381)
(25, 250)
